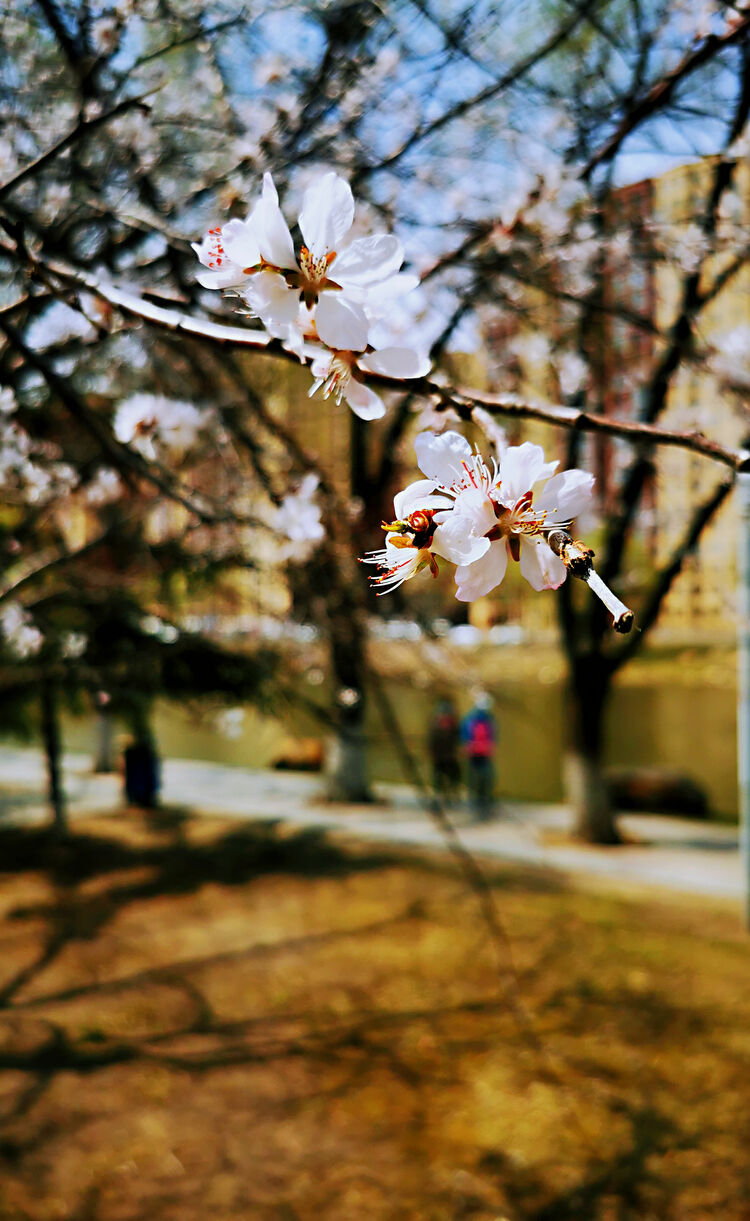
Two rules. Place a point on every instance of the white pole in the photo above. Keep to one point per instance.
(743, 680)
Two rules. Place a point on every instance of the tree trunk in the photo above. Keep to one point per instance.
(587, 787)
(53, 751)
(347, 765)
(103, 760)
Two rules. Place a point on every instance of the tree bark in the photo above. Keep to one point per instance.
(53, 751)
(586, 783)
(104, 760)
(347, 764)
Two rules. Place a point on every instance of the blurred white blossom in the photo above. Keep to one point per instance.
(572, 371)
(73, 645)
(144, 419)
(298, 516)
(58, 324)
(18, 629)
(105, 487)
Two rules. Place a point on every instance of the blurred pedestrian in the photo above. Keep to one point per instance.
(478, 738)
(444, 751)
(142, 779)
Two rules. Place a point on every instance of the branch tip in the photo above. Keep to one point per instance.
(578, 559)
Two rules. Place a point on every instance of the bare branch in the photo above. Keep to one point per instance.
(665, 579)
(660, 94)
(77, 133)
(463, 400)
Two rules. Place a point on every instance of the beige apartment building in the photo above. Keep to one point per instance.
(642, 297)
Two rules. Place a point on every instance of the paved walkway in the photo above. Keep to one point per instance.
(674, 853)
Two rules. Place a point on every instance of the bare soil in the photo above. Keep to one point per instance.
(202, 1019)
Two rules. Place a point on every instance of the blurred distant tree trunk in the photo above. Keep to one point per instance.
(590, 682)
(53, 751)
(104, 758)
(347, 777)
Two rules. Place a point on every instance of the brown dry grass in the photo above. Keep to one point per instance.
(207, 1020)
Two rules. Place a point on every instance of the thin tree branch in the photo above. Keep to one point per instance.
(660, 94)
(649, 612)
(77, 133)
(463, 400)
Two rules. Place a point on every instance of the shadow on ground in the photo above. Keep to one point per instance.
(258, 1021)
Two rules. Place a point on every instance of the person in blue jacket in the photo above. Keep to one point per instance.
(478, 740)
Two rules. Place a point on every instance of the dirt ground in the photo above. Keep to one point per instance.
(202, 1019)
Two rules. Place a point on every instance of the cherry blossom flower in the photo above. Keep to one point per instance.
(104, 488)
(341, 373)
(17, 627)
(424, 527)
(331, 273)
(477, 516)
(523, 515)
(142, 418)
(298, 515)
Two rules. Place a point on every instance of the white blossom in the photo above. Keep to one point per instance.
(342, 374)
(230, 722)
(689, 248)
(298, 515)
(730, 359)
(144, 418)
(477, 516)
(73, 645)
(15, 623)
(572, 371)
(7, 401)
(104, 488)
(331, 273)
(56, 325)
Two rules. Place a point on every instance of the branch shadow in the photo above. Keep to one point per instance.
(163, 862)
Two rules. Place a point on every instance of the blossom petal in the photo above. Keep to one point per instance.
(566, 495)
(396, 362)
(474, 507)
(271, 230)
(368, 260)
(378, 295)
(232, 278)
(442, 457)
(521, 466)
(340, 323)
(418, 495)
(455, 542)
(241, 243)
(327, 214)
(477, 579)
(541, 567)
(270, 298)
(363, 401)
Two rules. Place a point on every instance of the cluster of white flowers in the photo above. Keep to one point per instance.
(58, 324)
(15, 623)
(152, 625)
(323, 300)
(478, 516)
(230, 722)
(298, 515)
(104, 488)
(326, 302)
(147, 421)
(298, 519)
(30, 471)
